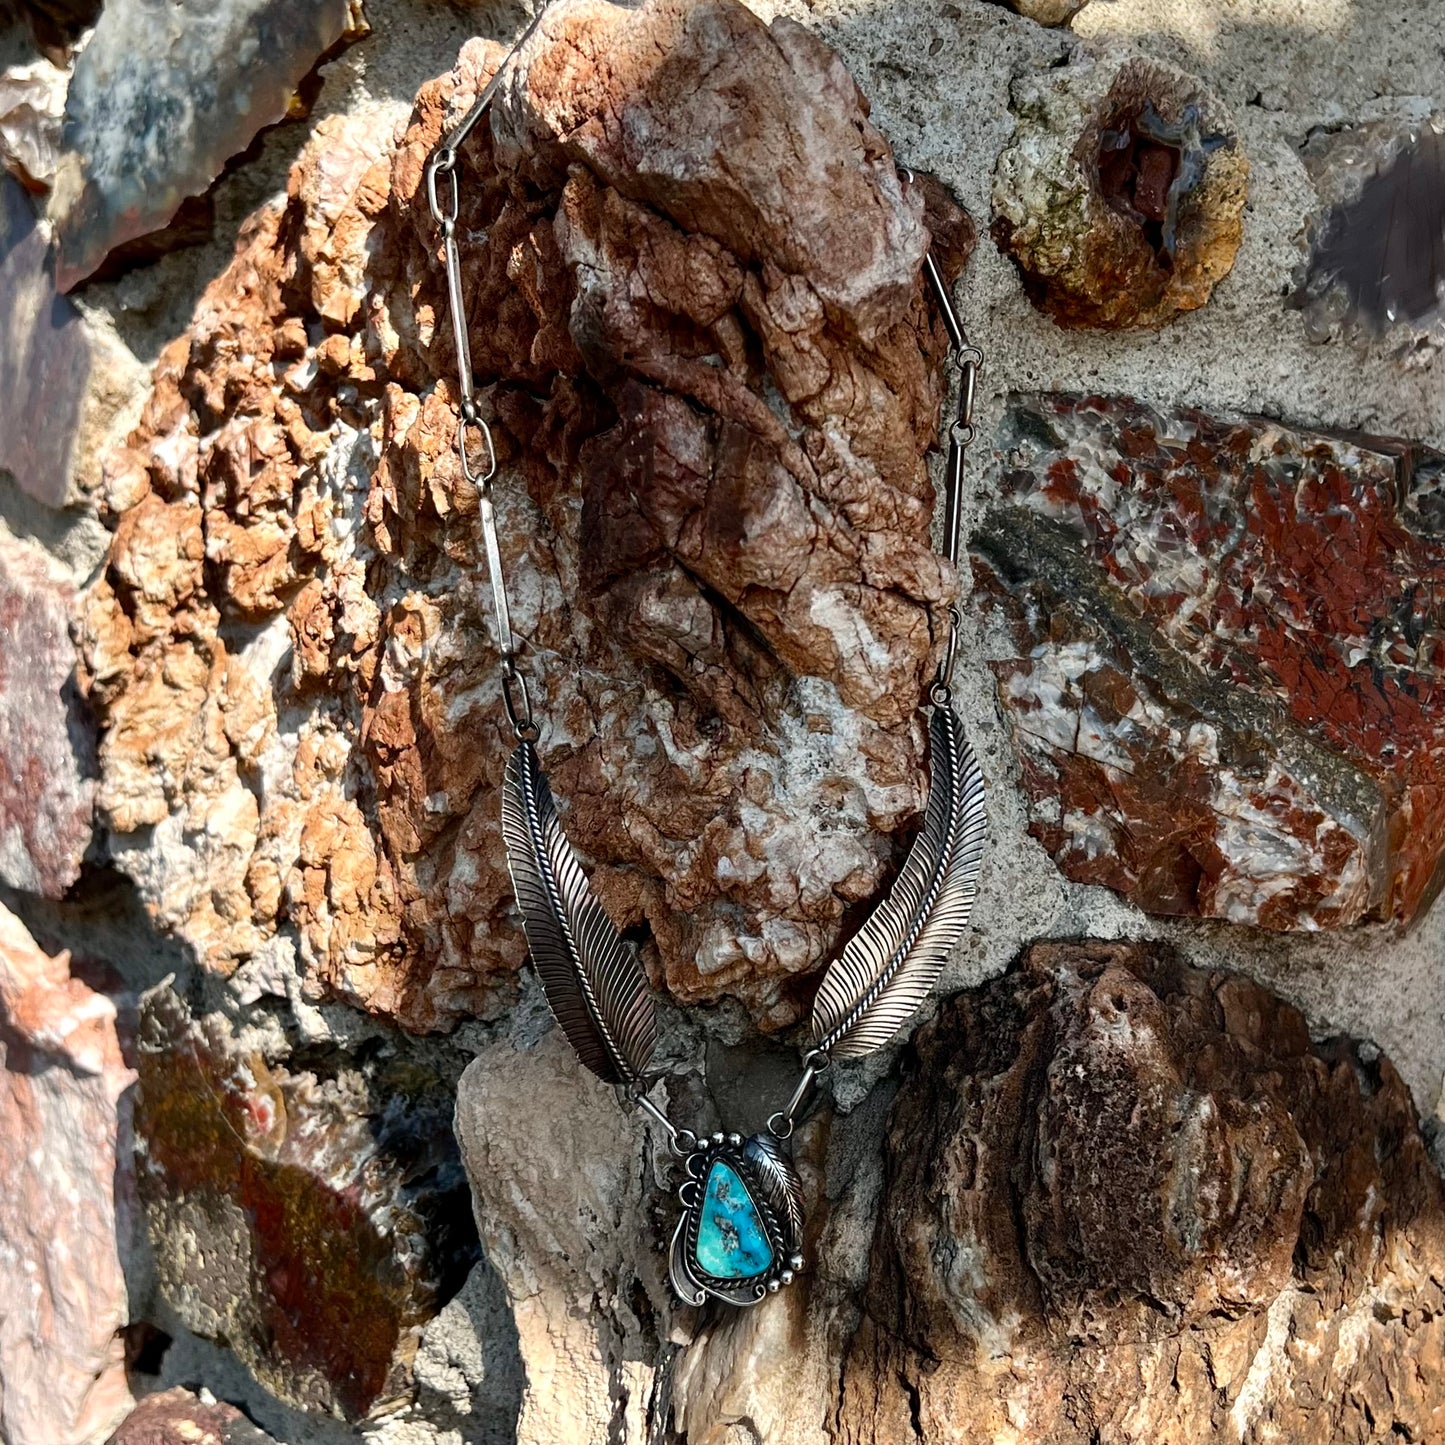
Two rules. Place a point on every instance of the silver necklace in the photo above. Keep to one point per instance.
(740, 1234)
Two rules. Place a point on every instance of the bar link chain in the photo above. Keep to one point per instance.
(478, 458)
(475, 447)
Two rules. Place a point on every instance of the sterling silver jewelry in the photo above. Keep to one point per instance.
(740, 1235)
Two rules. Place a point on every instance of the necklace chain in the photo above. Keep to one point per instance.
(477, 453)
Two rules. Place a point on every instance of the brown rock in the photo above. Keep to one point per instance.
(313, 1219)
(66, 1194)
(1224, 666)
(1046, 12)
(47, 743)
(179, 1417)
(713, 380)
(1129, 1200)
(1121, 194)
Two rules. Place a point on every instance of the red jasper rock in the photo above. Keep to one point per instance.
(178, 1417)
(47, 742)
(1225, 676)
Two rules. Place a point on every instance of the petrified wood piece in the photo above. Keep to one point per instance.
(312, 1217)
(1226, 666)
(1130, 1200)
(714, 379)
(1121, 194)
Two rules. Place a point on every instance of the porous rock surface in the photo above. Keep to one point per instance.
(1224, 658)
(66, 1204)
(310, 1213)
(1121, 193)
(1128, 1199)
(714, 379)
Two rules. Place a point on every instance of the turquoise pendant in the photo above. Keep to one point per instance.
(741, 1235)
(732, 1241)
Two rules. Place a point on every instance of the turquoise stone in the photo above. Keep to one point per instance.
(732, 1242)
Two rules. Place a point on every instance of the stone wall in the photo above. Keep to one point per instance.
(292, 1149)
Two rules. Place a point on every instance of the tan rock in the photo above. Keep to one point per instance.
(32, 104)
(63, 1133)
(713, 385)
(562, 1223)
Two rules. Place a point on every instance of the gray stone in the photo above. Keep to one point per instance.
(1377, 243)
(47, 749)
(45, 359)
(165, 93)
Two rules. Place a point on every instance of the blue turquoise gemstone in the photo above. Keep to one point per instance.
(732, 1242)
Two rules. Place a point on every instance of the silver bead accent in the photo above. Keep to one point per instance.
(787, 1276)
(718, 1137)
(796, 1261)
(773, 1286)
(735, 1140)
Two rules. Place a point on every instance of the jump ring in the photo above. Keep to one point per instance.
(777, 1130)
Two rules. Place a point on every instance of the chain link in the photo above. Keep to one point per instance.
(966, 359)
(476, 449)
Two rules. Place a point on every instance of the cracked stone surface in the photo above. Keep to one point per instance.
(1223, 671)
(47, 741)
(66, 1205)
(1121, 194)
(1128, 1199)
(561, 1222)
(712, 406)
(162, 96)
(314, 1218)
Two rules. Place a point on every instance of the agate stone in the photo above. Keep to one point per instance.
(732, 1241)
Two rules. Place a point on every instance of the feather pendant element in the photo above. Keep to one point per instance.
(779, 1184)
(594, 983)
(893, 961)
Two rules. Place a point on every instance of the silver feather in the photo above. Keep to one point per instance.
(593, 979)
(780, 1186)
(893, 961)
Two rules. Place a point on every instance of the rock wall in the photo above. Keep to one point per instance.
(298, 1154)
